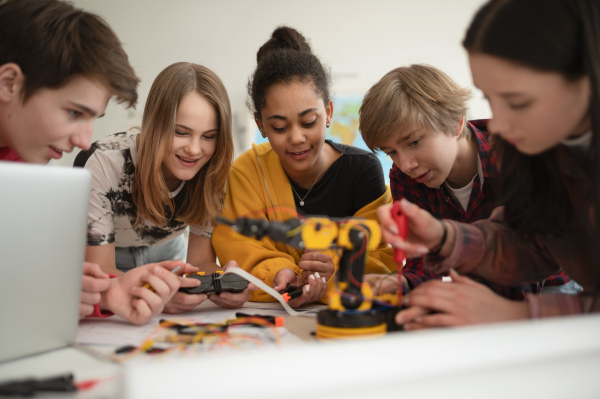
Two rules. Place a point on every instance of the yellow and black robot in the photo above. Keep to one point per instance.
(354, 311)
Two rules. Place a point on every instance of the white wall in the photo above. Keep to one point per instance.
(360, 40)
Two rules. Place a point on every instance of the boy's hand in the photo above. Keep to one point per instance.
(93, 283)
(128, 298)
(383, 283)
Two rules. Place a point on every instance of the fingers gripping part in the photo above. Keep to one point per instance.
(216, 283)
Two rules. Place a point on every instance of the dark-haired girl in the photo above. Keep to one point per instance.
(537, 62)
(297, 172)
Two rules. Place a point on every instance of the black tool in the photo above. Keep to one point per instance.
(275, 320)
(216, 283)
(30, 386)
(291, 292)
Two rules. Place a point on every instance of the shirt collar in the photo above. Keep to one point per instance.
(487, 164)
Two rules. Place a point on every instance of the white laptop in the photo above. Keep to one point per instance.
(43, 228)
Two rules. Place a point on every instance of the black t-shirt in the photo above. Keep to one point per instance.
(354, 180)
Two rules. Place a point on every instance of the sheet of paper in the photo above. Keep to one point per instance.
(115, 331)
(275, 309)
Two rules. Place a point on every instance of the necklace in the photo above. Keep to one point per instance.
(315, 182)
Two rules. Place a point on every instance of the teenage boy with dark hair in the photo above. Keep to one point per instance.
(59, 67)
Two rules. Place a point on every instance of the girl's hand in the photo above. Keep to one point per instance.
(425, 232)
(231, 300)
(316, 263)
(460, 302)
(313, 290)
(183, 302)
(286, 277)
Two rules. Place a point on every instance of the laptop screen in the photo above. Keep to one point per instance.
(43, 228)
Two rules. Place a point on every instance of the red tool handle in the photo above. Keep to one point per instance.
(402, 224)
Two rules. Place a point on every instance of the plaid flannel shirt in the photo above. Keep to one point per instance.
(442, 204)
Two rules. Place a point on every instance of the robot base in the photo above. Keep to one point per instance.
(332, 324)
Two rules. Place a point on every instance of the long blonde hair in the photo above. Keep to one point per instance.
(204, 193)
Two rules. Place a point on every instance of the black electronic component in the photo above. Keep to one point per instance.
(216, 283)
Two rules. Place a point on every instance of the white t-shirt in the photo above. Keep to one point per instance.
(463, 194)
(111, 213)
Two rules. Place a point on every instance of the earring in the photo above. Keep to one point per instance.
(262, 133)
(327, 125)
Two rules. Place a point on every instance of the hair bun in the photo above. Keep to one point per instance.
(282, 38)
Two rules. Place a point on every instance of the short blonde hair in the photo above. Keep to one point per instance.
(415, 96)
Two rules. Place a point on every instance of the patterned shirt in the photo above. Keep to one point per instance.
(112, 213)
(442, 204)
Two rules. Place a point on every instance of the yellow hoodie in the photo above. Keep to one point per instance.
(258, 187)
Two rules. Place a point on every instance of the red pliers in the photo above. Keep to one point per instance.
(402, 224)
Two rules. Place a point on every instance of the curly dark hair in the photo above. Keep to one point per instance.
(285, 57)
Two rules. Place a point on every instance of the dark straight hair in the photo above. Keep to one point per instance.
(551, 35)
(52, 41)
